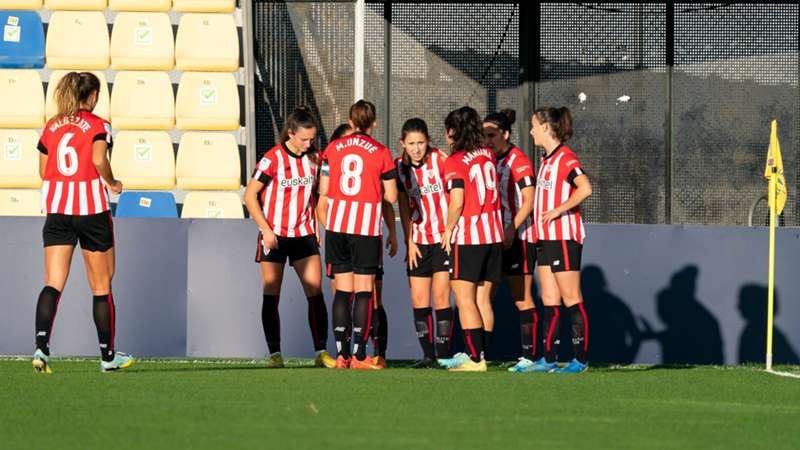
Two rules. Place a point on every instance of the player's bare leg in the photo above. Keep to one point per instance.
(309, 271)
(57, 261)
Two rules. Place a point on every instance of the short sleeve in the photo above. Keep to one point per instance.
(265, 170)
(572, 169)
(42, 146)
(522, 172)
(401, 187)
(388, 168)
(453, 174)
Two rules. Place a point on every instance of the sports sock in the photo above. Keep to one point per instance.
(380, 332)
(362, 321)
(104, 321)
(551, 329)
(487, 340)
(473, 343)
(342, 322)
(528, 321)
(46, 309)
(271, 321)
(318, 321)
(580, 331)
(423, 322)
(444, 331)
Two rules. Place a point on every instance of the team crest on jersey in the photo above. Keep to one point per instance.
(263, 165)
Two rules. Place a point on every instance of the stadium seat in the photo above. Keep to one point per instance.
(207, 101)
(76, 5)
(142, 41)
(20, 202)
(21, 4)
(140, 5)
(22, 46)
(144, 160)
(142, 101)
(204, 5)
(147, 204)
(19, 161)
(208, 161)
(22, 104)
(77, 40)
(207, 42)
(51, 107)
(212, 205)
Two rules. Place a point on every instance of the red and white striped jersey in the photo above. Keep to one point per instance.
(427, 200)
(554, 186)
(356, 165)
(475, 172)
(287, 197)
(71, 183)
(515, 172)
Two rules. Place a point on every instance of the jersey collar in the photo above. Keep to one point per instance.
(291, 153)
(555, 150)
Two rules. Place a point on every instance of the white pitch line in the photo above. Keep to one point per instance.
(783, 374)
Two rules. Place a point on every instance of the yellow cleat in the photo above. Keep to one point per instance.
(470, 366)
(324, 359)
(41, 362)
(275, 361)
(379, 361)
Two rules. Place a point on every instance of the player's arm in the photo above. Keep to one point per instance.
(103, 166)
(405, 214)
(583, 190)
(322, 204)
(42, 164)
(525, 210)
(387, 211)
(261, 178)
(389, 187)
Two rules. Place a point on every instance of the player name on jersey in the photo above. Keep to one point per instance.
(476, 173)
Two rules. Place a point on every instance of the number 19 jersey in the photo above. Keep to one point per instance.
(481, 220)
(71, 184)
(356, 165)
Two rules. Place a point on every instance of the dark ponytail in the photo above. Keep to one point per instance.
(464, 126)
(559, 119)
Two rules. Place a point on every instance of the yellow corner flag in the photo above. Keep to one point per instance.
(775, 166)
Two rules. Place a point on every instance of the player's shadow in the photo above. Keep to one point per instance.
(753, 341)
(692, 334)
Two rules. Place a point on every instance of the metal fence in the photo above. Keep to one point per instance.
(671, 101)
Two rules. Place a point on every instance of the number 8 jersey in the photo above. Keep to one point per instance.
(356, 164)
(71, 184)
(481, 220)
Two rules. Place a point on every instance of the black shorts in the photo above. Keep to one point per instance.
(330, 273)
(434, 259)
(95, 232)
(561, 256)
(293, 249)
(476, 263)
(520, 259)
(353, 253)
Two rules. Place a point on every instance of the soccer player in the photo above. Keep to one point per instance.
(515, 182)
(561, 186)
(422, 202)
(358, 174)
(280, 199)
(74, 168)
(473, 235)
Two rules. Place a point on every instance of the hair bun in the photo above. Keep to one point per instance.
(510, 114)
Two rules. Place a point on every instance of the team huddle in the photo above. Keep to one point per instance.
(469, 217)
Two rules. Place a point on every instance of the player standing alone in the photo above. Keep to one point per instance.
(74, 165)
(561, 186)
(280, 199)
(357, 175)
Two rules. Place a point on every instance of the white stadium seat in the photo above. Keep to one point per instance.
(142, 41)
(22, 104)
(207, 42)
(208, 161)
(19, 159)
(142, 101)
(77, 40)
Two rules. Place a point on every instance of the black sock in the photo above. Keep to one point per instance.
(362, 321)
(444, 331)
(46, 309)
(271, 320)
(580, 331)
(423, 322)
(527, 329)
(551, 329)
(487, 340)
(380, 332)
(104, 321)
(473, 343)
(318, 321)
(342, 322)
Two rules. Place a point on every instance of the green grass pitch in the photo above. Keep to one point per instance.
(237, 404)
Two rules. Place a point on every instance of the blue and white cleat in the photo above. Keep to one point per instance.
(41, 362)
(574, 366)
(541, 365)
(523, 365)
(120, 361)
(457, 360)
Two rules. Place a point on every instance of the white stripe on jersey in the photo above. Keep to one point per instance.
(98, 204)
(45, 191)
(84, 200)
(277, 218)
(291, 222)
(365, 216)
(351, 219)
(308, 214)
(56, 196)
(551, 199)
(377, 219)
(70, 197)
(339, 207)
(564, 219)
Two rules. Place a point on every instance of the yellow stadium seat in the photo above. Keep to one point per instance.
(19, 161)
(77, 40)
(207, 42)
(20, 202)
(51, 108)
(208, 161)
(140, 5)
(207, 101)
(144, 160)
(76, 5)
(21, 4)
(204, 5)
(142, 41)
(142, 101)
(21, 99)
(212, 205)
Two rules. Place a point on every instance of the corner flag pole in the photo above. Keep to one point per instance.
(771, 290)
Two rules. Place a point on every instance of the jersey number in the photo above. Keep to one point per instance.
(486, 179)
(67, 156)
(350, 181)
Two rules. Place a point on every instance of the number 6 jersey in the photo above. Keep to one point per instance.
(356, 165)
(71, 184)
(481, 220)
